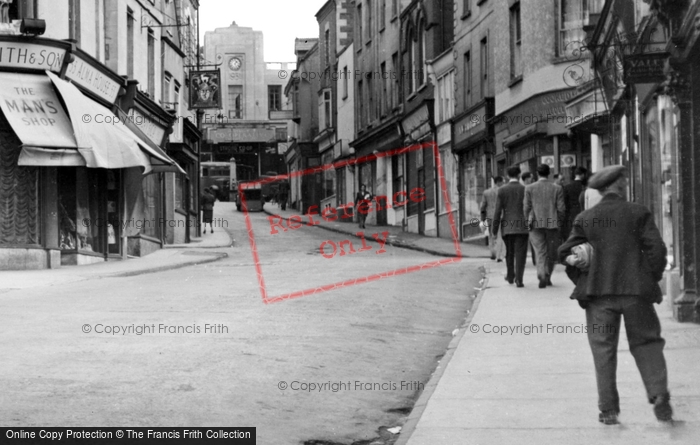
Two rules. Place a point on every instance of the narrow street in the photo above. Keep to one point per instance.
(368, 348)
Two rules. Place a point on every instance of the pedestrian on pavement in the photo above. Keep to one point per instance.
(572, 192)
(559, 179)
(629, 257)
(526, 179)
(544, 210)
(363, 200)
(207, 202)
(284, 191)
(510, 219)
(589, 197)
(488, 209)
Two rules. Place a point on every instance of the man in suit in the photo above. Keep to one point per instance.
(510, 219)
(544, 210)
(572, 205)
(488, 208)
(628, 260)
(526, 179)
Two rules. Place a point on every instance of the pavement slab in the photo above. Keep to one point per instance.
(513, 387)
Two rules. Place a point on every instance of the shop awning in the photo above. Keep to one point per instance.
(160, 161)
(101, 142)
(104, 140)
(32, 108)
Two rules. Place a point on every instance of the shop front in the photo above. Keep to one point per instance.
(383, 176)
(420, 169)
(472, 142)
(70, 171)
(534, 132)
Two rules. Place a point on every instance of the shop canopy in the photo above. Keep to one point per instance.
(104, 140)
(95, 138)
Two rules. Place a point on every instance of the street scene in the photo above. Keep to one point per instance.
(349, 222)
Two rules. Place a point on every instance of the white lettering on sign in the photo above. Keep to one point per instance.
(29, 55)
(87, 76)
(31, 106)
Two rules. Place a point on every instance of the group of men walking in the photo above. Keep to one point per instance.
(612, 251)
(520, 213)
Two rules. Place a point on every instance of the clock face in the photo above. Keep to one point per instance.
(234, 63)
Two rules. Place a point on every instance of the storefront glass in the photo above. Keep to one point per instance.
(152, 206)
(474, 184)
(19, 195)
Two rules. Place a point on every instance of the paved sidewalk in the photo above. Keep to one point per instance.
(540, 388)
(397, 237)
(170, 257)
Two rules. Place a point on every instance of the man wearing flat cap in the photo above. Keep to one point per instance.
(628, 259)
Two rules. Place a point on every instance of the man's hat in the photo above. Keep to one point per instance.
(606, 176)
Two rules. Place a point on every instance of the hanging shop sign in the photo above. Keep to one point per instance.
(205, 89)
(645, 68)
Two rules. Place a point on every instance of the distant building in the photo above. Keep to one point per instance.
(251, 123)
(302, 91)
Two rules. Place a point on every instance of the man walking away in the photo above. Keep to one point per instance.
(510, 219)
(572, 192)
(544, 210)
(488, 208)
(526, 179)
(628, 261)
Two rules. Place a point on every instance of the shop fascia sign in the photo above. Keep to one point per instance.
(41, 55)
(152, 128)
(93, 78)
(32, 54)
(471, 124)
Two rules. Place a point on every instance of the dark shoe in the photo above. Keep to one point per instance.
(499, 260)
(509, 280)
(608, 417)
(549, 282)
(662, 408)
(542, 284)
(520, 284)
(493, 257)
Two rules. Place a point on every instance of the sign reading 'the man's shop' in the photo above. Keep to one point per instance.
(32, 108)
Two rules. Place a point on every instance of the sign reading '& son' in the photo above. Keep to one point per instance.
(331, 214)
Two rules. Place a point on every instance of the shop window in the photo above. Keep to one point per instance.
(180, 191)
(19, 196)
(151, 205)
(328, 175)
(340, 175)
(82, 226)
(420, 71)
(467, 79)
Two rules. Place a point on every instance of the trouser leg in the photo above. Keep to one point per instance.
(552, 246)
(603, 323)
(509, 241)
(520, 243)
(646, 344)
(539, 243)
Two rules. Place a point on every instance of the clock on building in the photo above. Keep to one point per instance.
(234, 63)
